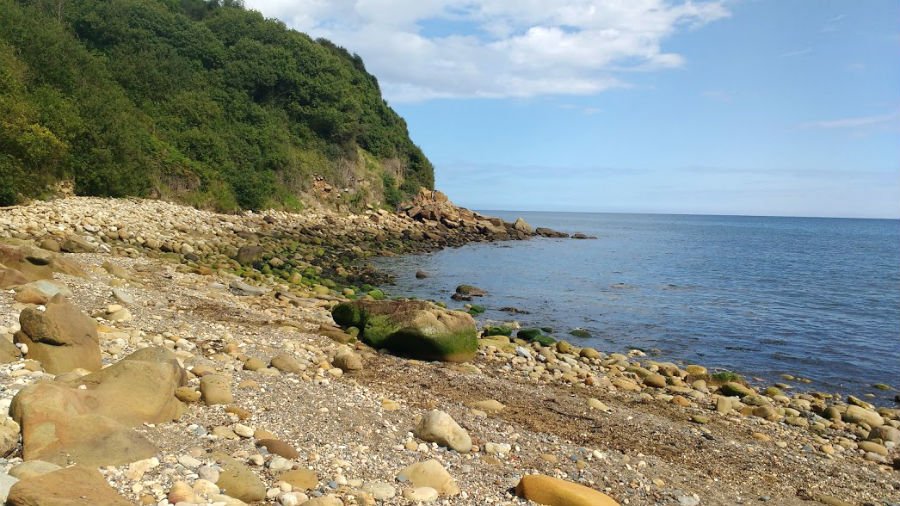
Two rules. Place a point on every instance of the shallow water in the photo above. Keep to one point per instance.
(811, 297)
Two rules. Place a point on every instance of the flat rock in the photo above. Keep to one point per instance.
(239, 481)
(430, 473)
(72, 486)
(279, 447)
(301, 479)
(31, 468)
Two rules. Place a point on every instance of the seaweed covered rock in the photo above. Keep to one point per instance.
(414, 328)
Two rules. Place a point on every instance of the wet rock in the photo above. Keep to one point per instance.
(470, 291)
(735, 389)
(439, 427)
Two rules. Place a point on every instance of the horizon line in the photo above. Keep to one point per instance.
(657, 213)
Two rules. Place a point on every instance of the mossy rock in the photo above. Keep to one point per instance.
(528, 334)
(497, 330)
(412, 328)
(377, 294)
(475, 309)
(580, 333)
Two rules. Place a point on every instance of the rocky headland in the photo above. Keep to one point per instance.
(157, 354)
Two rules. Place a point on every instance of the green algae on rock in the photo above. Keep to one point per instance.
(414, 328)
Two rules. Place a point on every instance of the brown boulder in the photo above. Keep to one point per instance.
(62, 422)
(72, 486)
(555, 492)
(61, 338)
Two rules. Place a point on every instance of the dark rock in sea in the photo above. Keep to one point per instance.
(514, 310)
(421, 274)
(535, 335)
(461, 298)
(470, 291)
(548, 232)
(583, 236)
(580, 333)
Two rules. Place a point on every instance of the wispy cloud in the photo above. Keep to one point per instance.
(796, 52)
(833, 24)
(856, 121)
(498, 48)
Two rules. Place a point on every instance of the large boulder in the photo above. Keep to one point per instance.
(61, 338)
(72, 486)
(20, 264)
(89, 420)
(414, 328)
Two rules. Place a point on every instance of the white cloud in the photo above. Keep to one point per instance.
(424, 49)
(856, 122)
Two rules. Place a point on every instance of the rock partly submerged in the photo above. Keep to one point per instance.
(413, 328)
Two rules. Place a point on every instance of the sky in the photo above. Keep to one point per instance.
(752, 107)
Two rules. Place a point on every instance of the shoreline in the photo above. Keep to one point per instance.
(603, 420)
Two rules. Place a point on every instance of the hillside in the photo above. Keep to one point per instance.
(201, 102)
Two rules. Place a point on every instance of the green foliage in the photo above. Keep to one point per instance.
(196, 100)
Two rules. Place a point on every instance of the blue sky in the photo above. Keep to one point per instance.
(758, 107)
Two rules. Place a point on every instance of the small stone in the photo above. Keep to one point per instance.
(430, 474)
(301, 479)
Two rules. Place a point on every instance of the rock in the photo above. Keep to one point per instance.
(597, 404)
(61, 338)
(655, 380)
(40, 292)
(589, 353)
(247, 255)
(187, 394)
(421, 274)
(438, 427)
(9, 436)
(254, 364)
(6, 483)
(421, 494)
(216, 389)
(869, 446)
(347, 360)
(415, 328)
(302, 479)
(72, 486)
(470, 291)
(32, 468)
(238, 287)
(286, 363)
(522, 226)
(430, 474)
(489, 406)
(89, 420)
(886, 434)
(857, 414)
(279, 447)
(9, 352)
(77, 244)
(555, 492)
(380, 490)
(328, 500)
(238, 481)
(735, 389)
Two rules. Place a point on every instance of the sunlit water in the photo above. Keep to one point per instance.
(817, 298)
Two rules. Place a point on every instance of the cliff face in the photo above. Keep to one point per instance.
(197, 101)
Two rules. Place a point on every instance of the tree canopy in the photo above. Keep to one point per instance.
(200, 101)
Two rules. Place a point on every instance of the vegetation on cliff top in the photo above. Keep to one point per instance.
(199, 101)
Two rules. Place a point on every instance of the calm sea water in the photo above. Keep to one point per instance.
(817, 298)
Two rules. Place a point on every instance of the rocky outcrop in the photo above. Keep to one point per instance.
(23, 263)
(62, 338)
(412, 328)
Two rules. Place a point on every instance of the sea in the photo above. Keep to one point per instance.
(814, 298)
